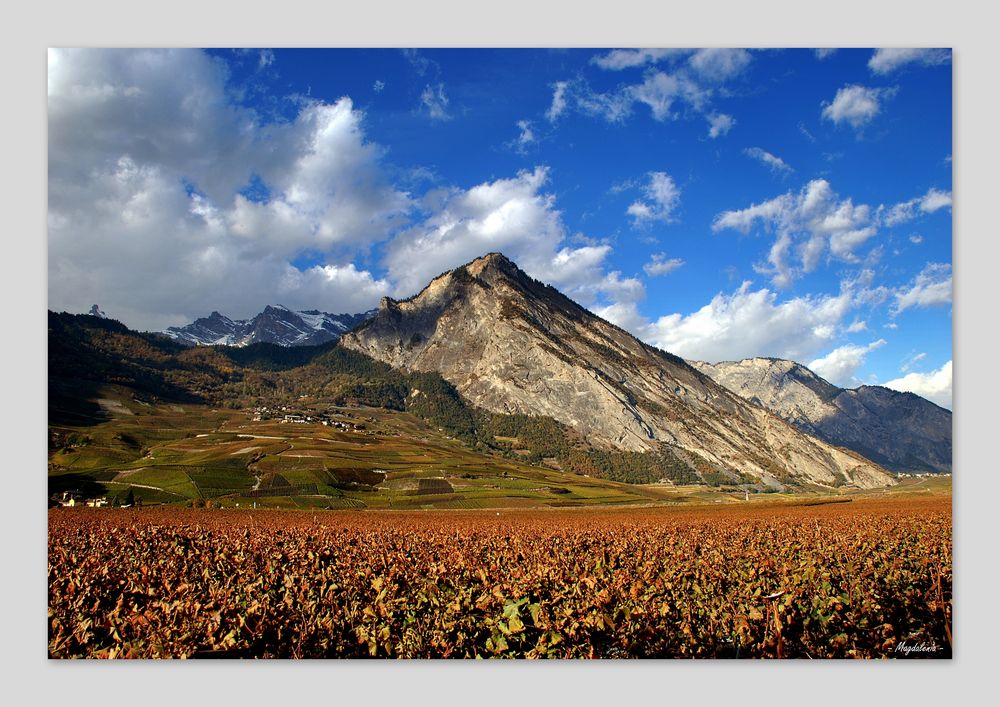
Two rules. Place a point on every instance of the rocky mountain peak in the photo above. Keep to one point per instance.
(511, 344)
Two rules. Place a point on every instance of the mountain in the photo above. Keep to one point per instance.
(900, 431)
(510, 344)
(96, 311)
(275, 325)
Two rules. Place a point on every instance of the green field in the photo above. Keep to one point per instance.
(188, 454)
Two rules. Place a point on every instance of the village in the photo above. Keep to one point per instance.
(286, 414)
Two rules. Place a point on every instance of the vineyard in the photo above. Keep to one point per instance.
(865, 579)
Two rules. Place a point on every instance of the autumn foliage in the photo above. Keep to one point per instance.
(839, 580)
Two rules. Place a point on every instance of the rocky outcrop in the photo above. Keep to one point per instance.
(900, 431)
(514, 345)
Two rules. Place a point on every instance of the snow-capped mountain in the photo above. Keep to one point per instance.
(275, 325)
(96, 311)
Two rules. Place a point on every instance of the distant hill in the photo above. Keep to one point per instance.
(900, 431)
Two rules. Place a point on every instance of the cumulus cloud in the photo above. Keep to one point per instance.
(435, 102)
(916, 239)
(885, 61)
(659, 264)
(855, 105)
(719, 64)
(660, 91)
(719, 124)
(932, 201)
(841, 365)
(662, 196)
(935, 386)
(772, 162)
(807, 225)
(930, 288)
(146, 214)
(742, 324)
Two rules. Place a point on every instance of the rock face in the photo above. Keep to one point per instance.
(275, 325)
(511, 344)
(900, 431)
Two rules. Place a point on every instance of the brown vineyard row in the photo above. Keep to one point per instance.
(863, 580)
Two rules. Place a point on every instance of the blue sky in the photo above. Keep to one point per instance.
(717, 203)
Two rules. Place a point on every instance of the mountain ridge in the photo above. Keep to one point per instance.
(276, 324)
(901, 431)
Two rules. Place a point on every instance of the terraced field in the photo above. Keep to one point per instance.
(194, 455)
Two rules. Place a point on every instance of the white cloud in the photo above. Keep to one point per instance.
(935, 386)
(930, 202)
(719, 124)
(516, 217)
(885, 61)
(916, 239)
(719, 64)
(378, 86)
(668, 95)
(825, 52)
(525, 137)
(266, 58)
(930, 288)
(659, 264)
(911, 361)
(661, 90)
(662, 197)
(807, 225)
(613, 106)
(856, 326)
(856, 105)
(841, 365)
(420, 63)
(434, 100)
(145, 215)
(774, 163)
(559, 103)
(619, 59)
(742, 324)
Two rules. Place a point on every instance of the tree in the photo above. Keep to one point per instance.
(130, 498)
